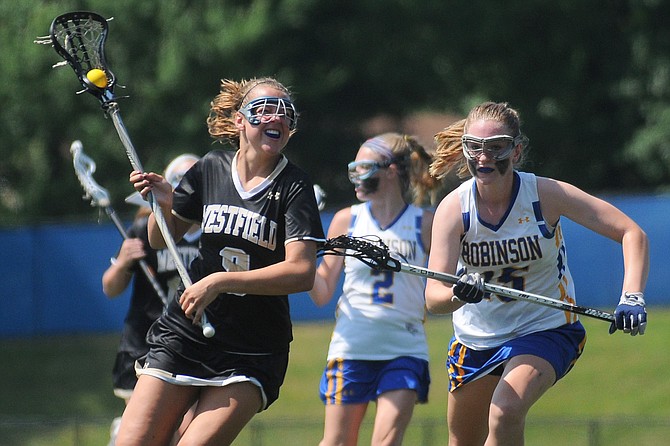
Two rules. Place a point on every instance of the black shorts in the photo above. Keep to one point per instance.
(124, 377)
(267, 371)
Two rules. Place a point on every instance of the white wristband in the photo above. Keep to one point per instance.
(632, 299)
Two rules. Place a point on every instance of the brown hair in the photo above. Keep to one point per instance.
(231, 98)
(449, 150)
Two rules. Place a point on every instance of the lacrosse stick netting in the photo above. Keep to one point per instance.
(374, 253)
(79, 38)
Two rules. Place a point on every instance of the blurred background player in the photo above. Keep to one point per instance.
(378, 351)
(145, 303)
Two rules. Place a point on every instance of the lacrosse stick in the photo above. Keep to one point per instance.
(374, 253)
(84, 168)
(79, 38)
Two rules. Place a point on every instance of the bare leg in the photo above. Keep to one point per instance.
(221, 413)
(185, 421)
(468, 412)
(525, 379)
(342, 424)
(153, 412)
(394, 412)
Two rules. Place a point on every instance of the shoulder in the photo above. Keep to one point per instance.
(449, 205)
(559, 198)
(553, 190)
(213, 161)
(448, 218)
(340, 223)
(215, 157)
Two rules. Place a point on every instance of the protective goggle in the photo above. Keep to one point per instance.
(498, 147)
(364, 169)
(266, 108)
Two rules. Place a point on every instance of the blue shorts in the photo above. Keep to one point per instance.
(561, 347)
(350, 381)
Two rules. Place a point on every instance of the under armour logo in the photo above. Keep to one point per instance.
(524, 220)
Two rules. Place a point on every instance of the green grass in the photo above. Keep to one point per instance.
(57, 391)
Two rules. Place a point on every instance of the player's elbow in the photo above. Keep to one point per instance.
(110, 291)
(303, 276)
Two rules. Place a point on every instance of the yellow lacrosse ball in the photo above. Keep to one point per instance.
(97, 77)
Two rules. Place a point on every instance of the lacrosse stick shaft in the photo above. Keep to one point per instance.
(146, 269)
(511, 293)
(113, 111)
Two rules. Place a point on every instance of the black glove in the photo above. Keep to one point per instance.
(630, 315)
(469, 288)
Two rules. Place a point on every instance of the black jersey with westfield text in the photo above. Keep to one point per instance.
(245, 230)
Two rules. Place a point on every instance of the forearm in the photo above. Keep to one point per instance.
(320, 293)
(439, 298)
(116, 279)
(635, 246)
(279, 279)
(156, 239)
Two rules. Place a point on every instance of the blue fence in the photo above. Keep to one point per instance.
(52, 273)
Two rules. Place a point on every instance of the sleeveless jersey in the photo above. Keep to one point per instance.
(242, 230)
(380, 314)
(523, 252)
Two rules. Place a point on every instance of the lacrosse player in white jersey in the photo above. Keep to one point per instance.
(503, 226)
(378, 350)
(260, 225)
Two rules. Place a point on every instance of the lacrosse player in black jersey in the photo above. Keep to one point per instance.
(260, 223)
(146, 302)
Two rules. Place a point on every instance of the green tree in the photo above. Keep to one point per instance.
(589, 78)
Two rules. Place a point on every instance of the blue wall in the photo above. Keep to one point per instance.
(52, 273)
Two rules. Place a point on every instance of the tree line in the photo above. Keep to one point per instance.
(590, 79)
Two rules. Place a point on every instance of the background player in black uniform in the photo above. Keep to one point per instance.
(259, 221)
(145, 303)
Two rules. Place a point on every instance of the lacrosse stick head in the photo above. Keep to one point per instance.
(84, 167)
(368, 249)
(79, 38)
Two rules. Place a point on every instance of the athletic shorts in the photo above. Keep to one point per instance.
(124, 377)
(266, 371)
(350, 381)
(561, 347)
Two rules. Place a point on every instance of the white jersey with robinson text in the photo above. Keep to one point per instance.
(523, 252)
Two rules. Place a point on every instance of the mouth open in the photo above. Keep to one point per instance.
(272, 133)
(485, 169)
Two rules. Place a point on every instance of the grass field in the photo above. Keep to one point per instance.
(57, 391)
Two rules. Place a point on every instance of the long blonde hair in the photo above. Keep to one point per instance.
(412, 162)
(449, 149)
(231, 98)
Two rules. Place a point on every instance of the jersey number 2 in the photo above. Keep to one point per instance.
(380, 287)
